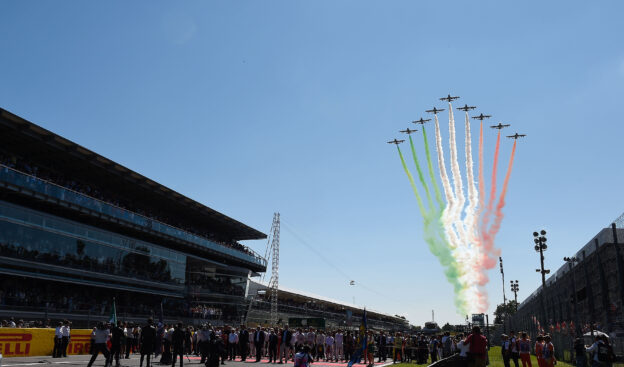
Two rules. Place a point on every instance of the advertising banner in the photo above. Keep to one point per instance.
(16, 342)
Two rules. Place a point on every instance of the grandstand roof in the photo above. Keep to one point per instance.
(34, 142)
(317, 297)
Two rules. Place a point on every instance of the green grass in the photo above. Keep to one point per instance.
(496, 360)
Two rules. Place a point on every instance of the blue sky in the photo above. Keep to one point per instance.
(252, 107)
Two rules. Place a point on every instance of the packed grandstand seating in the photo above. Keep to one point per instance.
(53, 175)
(131, 265)
(205, 282)
(31, 295)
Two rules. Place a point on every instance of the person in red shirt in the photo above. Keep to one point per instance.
(539, 348)
(478, 348)
(548, 352)
(524, 346)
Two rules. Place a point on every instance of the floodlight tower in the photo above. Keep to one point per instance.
(274, 282)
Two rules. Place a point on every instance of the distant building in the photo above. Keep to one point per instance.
(299, 304)
(77, 229)
(588, 291)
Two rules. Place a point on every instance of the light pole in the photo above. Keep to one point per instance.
(500, 263)
(515, 287)
(540, 246)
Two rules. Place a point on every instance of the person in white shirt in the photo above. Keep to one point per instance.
(58, 336)
(329, 347)
(232, 344)
(65, 337)
(338, 348)
(100, 336)
(514, 348)
(129, 339)
(463, 352)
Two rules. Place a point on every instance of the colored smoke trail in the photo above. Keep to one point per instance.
(471, 221)
(423, 212)
(421, 177)
(473, 195)
(490, 205)
(434, 182)
(447, 221)
(490, 254)
(433, 235)
(457, 180)
(481, 179)
(501, 201)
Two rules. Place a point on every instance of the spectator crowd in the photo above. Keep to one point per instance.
(53, 175)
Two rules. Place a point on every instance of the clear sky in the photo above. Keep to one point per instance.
(252, 107)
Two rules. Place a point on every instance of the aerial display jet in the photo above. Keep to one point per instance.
(499, 126)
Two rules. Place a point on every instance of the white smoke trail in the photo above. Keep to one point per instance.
(447, 219)
(458, 183)
(471, 222)
(466, 255)
(474, 255)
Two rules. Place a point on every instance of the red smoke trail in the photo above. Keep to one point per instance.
(501, 201)
(483, 258)
(481, 179)
(490, 205)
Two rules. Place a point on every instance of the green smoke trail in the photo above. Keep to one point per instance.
(436, 188)
(423, 212)
(421, 177)
(436, 240)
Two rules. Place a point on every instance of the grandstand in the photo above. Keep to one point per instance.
(77, 229)
(299, 304)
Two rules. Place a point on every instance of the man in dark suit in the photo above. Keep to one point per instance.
(177, 342)
(382, 347)
(148, 339)
(258, 338)
(286, 344)
(243, 342)
(272, 347)
(117, 334)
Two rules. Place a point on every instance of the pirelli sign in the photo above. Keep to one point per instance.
(40, 342)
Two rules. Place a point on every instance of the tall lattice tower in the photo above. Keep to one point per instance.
(274, 282)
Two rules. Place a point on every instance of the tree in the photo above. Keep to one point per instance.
(509, 308)
(448, 327)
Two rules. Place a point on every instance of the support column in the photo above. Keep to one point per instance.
(590, 293)
(604, 287)
(620, 270)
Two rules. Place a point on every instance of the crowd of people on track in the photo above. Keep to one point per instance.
(517, 349)
(218, 345)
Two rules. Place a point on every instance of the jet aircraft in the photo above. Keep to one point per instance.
(449, 98)
(421, 121)
(408, 131)
(499, 126)
(466, 108)
(516, 136)
(397, 142)
(481, 117)
(435, 110)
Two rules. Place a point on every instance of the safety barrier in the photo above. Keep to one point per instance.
(40, 342)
